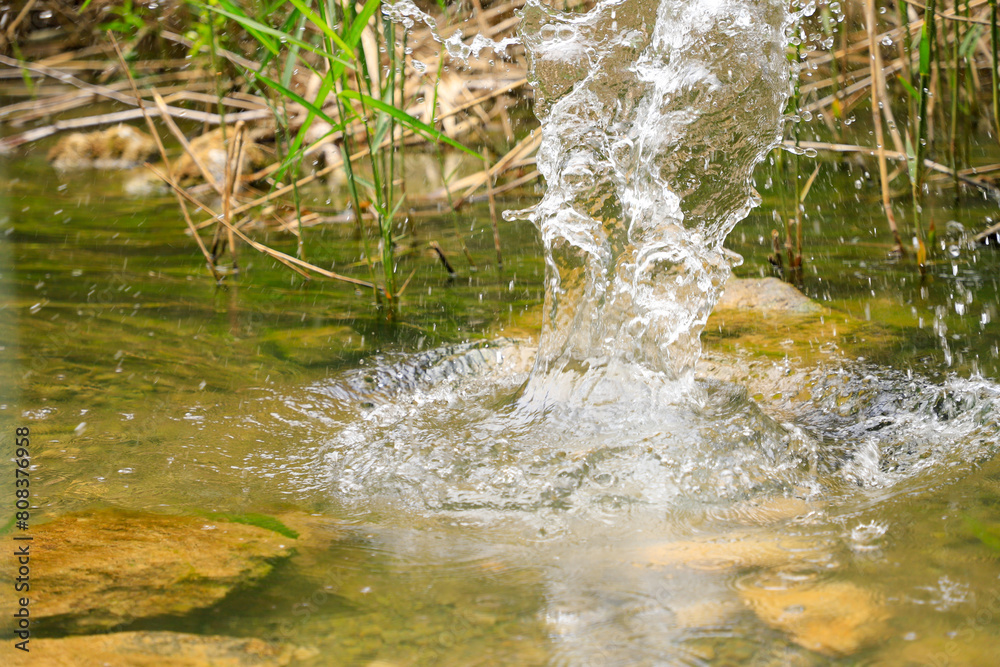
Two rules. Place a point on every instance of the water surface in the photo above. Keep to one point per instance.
(829, 498)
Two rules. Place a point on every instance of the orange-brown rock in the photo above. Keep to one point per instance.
(835, 618)
(107, 568)
(119, 147)
(153, 649)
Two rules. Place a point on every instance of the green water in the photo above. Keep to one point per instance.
(147, 387)
(847, 266)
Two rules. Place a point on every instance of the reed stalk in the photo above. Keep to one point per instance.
(355, 43)
(795, 261)
(928, 37)
(907, 58)
(994, 64)
(876, 102)
(955, 85)
(493, 210)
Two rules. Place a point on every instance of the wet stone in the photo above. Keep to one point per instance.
(733, 551)
(159, 649)
(835, 618)
(107, 568)
(763, 511)
(211, 150)
(706, 613)
(119, 147)
(765, 294)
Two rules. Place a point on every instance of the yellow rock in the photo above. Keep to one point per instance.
(706, 613)
(769, 510)
(119, 147)
(765, 294)
(152, 649)
(211, 152)
(732, 551)
(107, 568)
(835, 618)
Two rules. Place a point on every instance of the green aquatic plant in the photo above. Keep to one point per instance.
(128, 18)
(357, 60)
(259, 520)
(987, 534)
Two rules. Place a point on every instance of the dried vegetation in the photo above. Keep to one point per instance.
(264, 100)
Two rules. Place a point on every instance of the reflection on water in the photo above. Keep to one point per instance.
(462, 528)
(776, 511)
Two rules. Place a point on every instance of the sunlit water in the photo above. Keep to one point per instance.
(490, 503)
(654, 116)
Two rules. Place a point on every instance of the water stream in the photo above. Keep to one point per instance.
(654, 115)
(607, 496)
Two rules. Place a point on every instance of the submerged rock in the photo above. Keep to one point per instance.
(733, 551)
(159, 649)
(211, 150)
(107, 568)
(765, 294)
(835, 618)
(119, 147)
(705, 613)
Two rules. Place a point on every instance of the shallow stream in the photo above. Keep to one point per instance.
(822, 489)
(458, 538)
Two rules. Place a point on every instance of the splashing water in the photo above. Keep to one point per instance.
(405, 13)
(654, 115)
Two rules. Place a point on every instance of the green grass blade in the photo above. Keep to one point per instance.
(295, 97)
(354, 33)
(366, 184)
(249, 23)
(322, 25)
(971, 41)
(325, 87)
(911, 157)
(293, 53)
(261, 38)
(908, 87)
(408, 121)
(925, 52)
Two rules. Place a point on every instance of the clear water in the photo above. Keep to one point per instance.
(462, 527)
(599, 502)
(654, 115)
